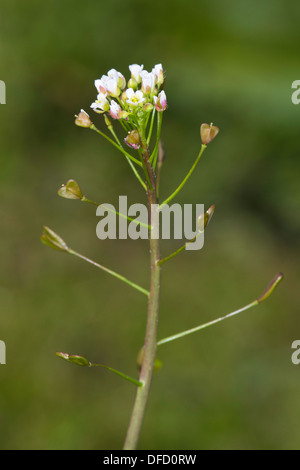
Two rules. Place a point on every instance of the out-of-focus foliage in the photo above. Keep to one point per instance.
(231, 386)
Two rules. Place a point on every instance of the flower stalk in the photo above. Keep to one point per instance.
(149, 356)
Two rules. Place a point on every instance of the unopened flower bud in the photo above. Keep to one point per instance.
(83, 119)
(147, 107)
(107, 121)
(116, 111)
(208, 132)
(159, 74)
(70, 190)
(136, 70)
(160, 101)
(133, 139)
(51, 239)
(132, 83)
(270, 287)
(204, 219)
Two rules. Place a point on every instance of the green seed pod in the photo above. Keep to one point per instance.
(70, 190)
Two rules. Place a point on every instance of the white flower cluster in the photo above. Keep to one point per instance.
(143, 92)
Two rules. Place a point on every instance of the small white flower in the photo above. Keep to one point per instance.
(101, 105)
(148, 81)
(112, 87)
(118, 77)
(100, 84)
(110, 83)
(136, 70)
(135, 98)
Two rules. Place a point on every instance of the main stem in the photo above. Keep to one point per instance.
(149, 355)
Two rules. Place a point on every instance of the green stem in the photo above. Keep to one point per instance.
(84, 199)
(160, 160)
(127, 377)
(94, 128)
(167, 258)
(137, 175)
(154, 155)
(149, 355)
(151, 127)
(109, 271)
(205, 325)
(203, 147)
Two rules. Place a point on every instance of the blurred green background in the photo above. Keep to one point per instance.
(232, 386)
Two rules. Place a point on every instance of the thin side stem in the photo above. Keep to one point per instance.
(179, 250)
(203, 147)
(109, 271)
(151, 127)
(137, 175)
(205, 325)
(154, 155)
(84, 199)
(127, 377)
(94, 128)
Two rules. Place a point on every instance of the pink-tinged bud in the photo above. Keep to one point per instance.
(83, 119)
(133, 140)
(270, 287)
(208, 132)
(101, 84)
(160, 101)
(116, 111)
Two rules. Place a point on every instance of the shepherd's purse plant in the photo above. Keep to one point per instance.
(138, 106)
